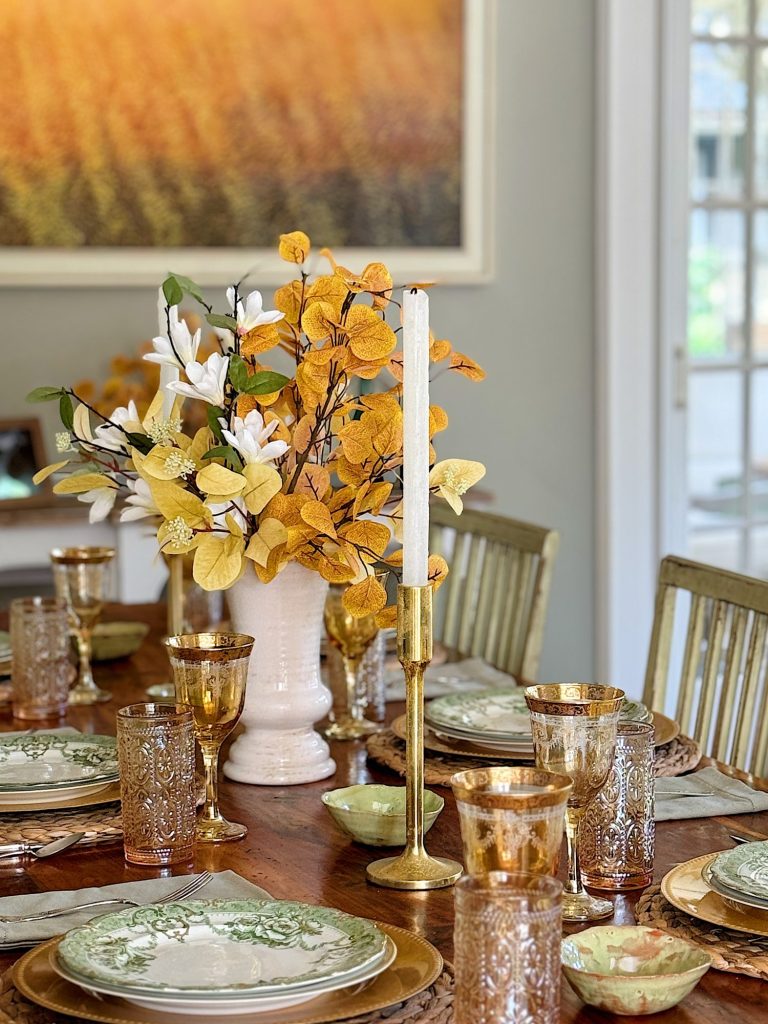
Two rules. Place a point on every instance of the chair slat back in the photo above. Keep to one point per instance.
(722, 698)
(494, 602)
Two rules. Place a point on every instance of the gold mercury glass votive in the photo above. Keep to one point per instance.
(617, 834)
(41, 672)
(512, 819)
(156, 755)
(507, 949)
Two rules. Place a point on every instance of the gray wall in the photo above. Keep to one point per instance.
(531, 421)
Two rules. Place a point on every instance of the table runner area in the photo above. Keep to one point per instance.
(101, 824)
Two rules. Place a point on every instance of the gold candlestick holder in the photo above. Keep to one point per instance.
(414, 868)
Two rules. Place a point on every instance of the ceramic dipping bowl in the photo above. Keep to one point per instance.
(117, 639)
(632, 970)
(375, 815)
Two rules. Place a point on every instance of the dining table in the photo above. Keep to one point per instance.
(294, 850)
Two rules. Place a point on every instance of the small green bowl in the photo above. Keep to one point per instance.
(632, 970)
(117, 639)
(375, 815)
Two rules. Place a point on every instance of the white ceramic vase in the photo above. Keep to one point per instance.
(285, 695)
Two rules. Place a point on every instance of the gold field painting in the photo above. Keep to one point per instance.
(219, 124)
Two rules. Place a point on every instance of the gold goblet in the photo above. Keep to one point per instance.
(574, 732)
(80, 577)
(210, 672)
(352, 637)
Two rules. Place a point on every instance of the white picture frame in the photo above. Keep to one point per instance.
(469, 263)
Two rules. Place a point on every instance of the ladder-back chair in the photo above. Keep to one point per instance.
(723, 693)
(494, 602)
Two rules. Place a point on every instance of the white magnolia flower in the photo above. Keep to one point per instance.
(251, 313)
(101, 500)
(141, 501)
(109, 435)
(234, 507)
(206, 380)
(250, 437)
(184, 347)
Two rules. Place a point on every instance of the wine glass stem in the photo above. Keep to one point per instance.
(210, 754)
(354, 708)
(574, 883)
(84, 652)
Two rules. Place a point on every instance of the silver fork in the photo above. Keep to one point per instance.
(183, 892)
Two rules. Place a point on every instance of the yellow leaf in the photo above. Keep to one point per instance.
(364, 368)
(172, 500)
(155, 464)
(314, 480)
(316, 515)
(388, 439)
(453, 477)
(369, 537)
(233, 525)
(370, 337)
(466, 367)
(201, 442)
(387, 617)
(312, 381)
(155, 409)
(371, 499)
(262, 483)
(439, 350)
(172, 546)
(82, 482)
(271, 534)
(260, 339)
(356, 442)
(294, 247)
(349, 473)
(218, 561)
(332, 569)
(438, 419)
(217, 479)
(82, 423)
(43, 474)
(395, 559)
(437, 570)
(330, 289)
(365, 598)
(288, 301)
(302, 432)
(318, 320)
(287, 508)
(395, 366)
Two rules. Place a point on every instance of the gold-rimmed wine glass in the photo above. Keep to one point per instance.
(574, 733)
(352, 637)
(210, 671)
(80, 576)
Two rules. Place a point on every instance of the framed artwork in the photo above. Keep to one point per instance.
(21, 455)
(187, 135)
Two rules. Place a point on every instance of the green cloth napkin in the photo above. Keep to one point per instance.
(704, 794)
(223, 885)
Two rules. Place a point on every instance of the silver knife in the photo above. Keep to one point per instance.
(40, 851)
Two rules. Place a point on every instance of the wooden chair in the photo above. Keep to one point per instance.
(723, 690)
(494, 602)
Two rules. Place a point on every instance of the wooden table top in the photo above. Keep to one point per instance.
(294, 850)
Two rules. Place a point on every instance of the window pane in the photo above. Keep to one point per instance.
(760, 286)
(761, 122)
(720, 17)
(716, 284)
(718, 120)
(758, 554)
(716, 547)
(762, 18)
(715, 479)
(759, 444)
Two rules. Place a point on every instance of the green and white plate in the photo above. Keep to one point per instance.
(492, 714)
(635, 711)
(44, 761)
(744, 869)
(755, 902)
(203, 950)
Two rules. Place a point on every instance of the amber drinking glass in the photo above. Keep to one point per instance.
(156, 754)
(617, 833)
(41, 672)
(210, 671)
(507, 949)
(80, 575)
(511, 819)
(574, 733)
(352, 637)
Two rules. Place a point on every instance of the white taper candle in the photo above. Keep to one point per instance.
(167, 373)
(415, 437)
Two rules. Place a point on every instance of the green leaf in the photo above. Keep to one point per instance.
(172, 291)
(214, 412)
(238, 372)
(142, 442)
(263, 383)
(67, 412)
(230, 455)
(44, 394)
(188, 285)
(220, 320)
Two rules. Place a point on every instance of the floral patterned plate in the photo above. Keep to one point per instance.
(50, 761)
(218, 948)
(744, 869)
(493, 714)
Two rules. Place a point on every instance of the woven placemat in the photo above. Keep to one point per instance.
(674, 758)
(432, 1006)
(101, 824)
(736, 952)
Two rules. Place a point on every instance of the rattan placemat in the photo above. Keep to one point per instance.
(736, 952)
(680, 755)
(432, 1006)
(101, 824)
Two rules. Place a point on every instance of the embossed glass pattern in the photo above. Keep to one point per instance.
(156, 753)
(41, 671)
(617, 833)
(511, 819)
(507, 942)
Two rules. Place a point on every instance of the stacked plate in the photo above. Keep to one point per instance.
(741, 875)
(50, 768)
(5, 654)
(219, 957)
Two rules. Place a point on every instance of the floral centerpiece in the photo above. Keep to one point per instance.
(295, 477)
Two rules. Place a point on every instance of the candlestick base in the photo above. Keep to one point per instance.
(413, 871)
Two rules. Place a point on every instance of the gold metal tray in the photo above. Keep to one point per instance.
(107, 795)
(685, 888)
(458, 748)
(416, 966)
(665, 730)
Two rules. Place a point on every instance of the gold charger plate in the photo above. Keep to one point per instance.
(458, 748)
(416, 966)
(107, 795)
(684, 887)
(665, 730)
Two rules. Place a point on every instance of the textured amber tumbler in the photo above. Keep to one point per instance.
(41, 671)
(156, 753)
(507, 949)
